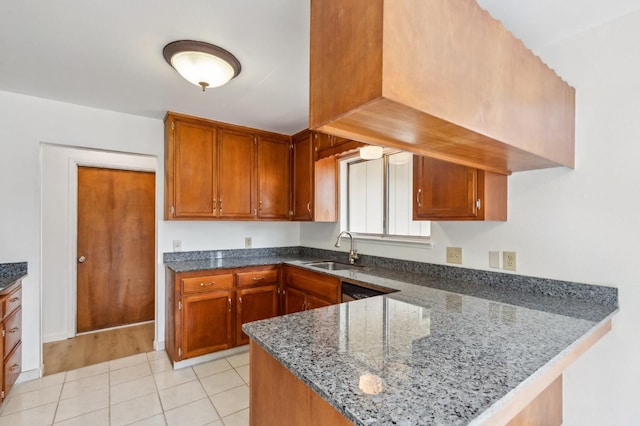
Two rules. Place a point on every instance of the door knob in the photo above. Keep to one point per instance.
(81, 259)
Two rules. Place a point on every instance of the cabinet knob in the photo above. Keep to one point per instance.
(14, 368)
(258, 278)
(14, 330)
(309, 206)
(14, 299)
(82, 259)
(229, 303)
(207, 284)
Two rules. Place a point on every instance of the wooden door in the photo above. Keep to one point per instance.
(294, 300)
(207, 323)
(195, 170)
(115, 248)
(302, 203)
(255, 304)
(236, 174)
(274, 178)
(443, 190)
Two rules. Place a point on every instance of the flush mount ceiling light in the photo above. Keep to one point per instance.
(201, 63)
(371, 152)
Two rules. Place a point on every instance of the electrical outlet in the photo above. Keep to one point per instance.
(509, 260)
(247, 242)
(177, 245)
(494, 259)
(454, 255)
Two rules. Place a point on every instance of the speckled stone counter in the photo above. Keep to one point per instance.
(450, 346)
(11, 272)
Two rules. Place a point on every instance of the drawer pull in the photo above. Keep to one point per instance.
(207, 284)
(229, 303)
(258, 278)
(14, 368)
(13, 300)
(14, 330)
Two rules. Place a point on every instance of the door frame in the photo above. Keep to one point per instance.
(73, 226)
(62, 162)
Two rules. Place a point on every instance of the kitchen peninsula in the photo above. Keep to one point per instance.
(450, 346)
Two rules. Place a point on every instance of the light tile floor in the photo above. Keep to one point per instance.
(138, 390)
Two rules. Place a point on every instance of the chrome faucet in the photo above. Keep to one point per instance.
(353, 254)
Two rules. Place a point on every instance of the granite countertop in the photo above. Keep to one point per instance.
(10, 273)
(450, 346)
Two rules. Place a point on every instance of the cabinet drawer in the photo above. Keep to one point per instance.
(319, 284)
(13, 331)
(12, 301)
(267, 276)
(207, 283)
(12, 368)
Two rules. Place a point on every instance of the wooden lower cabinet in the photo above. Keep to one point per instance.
(208, 323)
(205, 310)
(304, 290)
(11, 330)
(254, 304)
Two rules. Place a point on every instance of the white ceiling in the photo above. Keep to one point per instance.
(108, 54)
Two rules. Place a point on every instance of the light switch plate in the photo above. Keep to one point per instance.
(494, 259)
(454, 255)
(247, 242)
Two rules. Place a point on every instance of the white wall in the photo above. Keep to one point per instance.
(27, 122)
(579, 225)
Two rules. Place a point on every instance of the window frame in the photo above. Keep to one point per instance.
(354, 158)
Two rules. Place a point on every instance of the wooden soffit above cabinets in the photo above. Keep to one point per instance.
(439, 78)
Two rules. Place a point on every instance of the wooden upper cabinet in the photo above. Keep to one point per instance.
(440, 78)
(220, 171)
(236, 174)
(302, 203)
(314, 183)
(274, 178)
(448, 191)
(191, 170)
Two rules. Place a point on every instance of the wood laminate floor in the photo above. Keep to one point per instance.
(94, 348)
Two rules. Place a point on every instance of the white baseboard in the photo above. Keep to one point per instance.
(54, 338)
(158, 346)
(29, 375)
(210, 357)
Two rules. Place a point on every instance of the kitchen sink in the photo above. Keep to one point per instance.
(333, 266)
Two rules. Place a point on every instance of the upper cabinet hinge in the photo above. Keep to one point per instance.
(290, 212)
(173, 211)
(4, 333)
(290, 146)
(179, 304)
(2, 395)
(478, 204)
(255, 140)
(173, 125)
(179, 352)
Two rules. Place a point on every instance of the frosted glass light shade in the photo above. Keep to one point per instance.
(200, 63)
(371, 152)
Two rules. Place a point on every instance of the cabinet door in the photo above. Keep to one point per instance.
(274, 177)
(326, 190)
(294, 300)
(302, 204)
(207, 323)
(444, 190)
(236, 174)
(255, 304)
(316, 302)
(194, 184)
